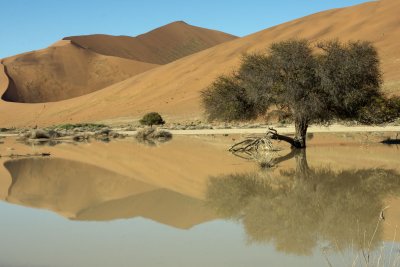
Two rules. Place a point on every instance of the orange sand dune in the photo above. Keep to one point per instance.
(63, 71)
(80, 65)
(160, 46)
(174, 89)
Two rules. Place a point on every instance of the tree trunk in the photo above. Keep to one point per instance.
(301, 134)
(299, 140)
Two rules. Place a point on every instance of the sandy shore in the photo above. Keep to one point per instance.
(283, 130)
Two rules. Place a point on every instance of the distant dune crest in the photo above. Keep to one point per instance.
(160, 46)
(80, 65)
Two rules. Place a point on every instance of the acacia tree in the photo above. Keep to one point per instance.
(339, 81)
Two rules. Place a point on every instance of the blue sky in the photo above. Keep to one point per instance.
(33, 24)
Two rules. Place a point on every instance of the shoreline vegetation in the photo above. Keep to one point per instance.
(152, 136)
(73, 134)
(82, 130)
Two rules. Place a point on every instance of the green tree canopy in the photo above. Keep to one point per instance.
(337, 81)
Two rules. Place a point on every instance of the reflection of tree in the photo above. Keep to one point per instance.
(305, 206)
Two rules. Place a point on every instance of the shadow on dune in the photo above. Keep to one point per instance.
(81, 191)
(301, 208)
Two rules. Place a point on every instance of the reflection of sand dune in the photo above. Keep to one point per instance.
(160, 205)
(66, 186)
(181, 165)
(87, 192)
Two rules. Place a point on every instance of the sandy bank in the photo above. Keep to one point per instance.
(283, 130)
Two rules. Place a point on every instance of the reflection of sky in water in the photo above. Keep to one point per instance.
(31, 237)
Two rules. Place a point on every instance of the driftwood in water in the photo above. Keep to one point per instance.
(253, 148)
(252, 144)
(390, 141)
(259, 149)
(262, 150)
(256, 143)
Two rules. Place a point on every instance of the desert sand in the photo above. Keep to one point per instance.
(336, 128)
(174, 89)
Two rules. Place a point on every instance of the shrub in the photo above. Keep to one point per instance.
(86, 126)
(152, 118)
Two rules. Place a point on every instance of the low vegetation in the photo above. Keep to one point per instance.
(152, 118)
(82, 132)
(152, 134)
(84, 126)
(338, 82)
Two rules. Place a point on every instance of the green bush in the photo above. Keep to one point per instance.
(152, 118)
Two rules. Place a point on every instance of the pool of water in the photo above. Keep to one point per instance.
(189, 202)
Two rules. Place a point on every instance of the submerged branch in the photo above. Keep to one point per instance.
(265, 142)
(262, 150)
(275, 136)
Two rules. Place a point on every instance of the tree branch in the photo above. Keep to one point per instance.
(275, 136)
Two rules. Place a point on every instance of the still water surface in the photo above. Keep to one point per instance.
(189, 202)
